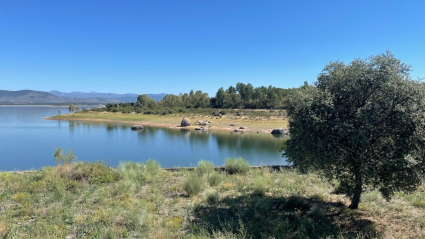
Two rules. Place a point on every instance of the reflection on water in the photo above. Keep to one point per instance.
(116, 142)
(185, 147)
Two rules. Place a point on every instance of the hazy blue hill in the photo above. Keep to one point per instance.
(120, 97)
(20, 93)
(22, 97)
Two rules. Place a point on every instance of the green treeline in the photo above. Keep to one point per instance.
(242, 96)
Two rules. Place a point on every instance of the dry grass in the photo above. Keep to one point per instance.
(253, 123)
(144, 201)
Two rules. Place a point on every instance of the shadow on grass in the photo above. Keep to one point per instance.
(281, 217)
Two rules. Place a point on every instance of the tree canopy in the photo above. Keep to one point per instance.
(362, 124)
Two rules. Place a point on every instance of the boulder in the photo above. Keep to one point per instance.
(185, 122)
(137, 127)
(237, 130)
(233, 124)
(203, 123)
(243, 127)
(280, 131)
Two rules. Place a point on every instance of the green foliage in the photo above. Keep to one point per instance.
(214, 179)
(260, 186)
(205, 167)
(236, 166)
(138, 172)
(361, 124)
(96, 173)
(296, 202)
(71, 107)
(211, 196)
(192, 184)
(61, 158)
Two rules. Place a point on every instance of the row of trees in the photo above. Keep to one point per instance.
(246, 96)
(241, 96)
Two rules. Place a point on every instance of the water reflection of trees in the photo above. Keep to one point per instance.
(254, 147)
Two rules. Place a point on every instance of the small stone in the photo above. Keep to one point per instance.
(137, 127)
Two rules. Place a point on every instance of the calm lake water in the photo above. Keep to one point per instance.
(27, 141)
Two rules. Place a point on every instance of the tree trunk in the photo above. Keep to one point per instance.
(357, 190)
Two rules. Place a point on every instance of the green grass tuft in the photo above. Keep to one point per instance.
(192, 184)
(205, 167)
(236, 166)
(214, 179)
(211, 196)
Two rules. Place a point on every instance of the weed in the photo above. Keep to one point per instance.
(236, 166)
(260, 186)
(214, 179)
(138, 172)
(61, 158)
(211, 196)
(192, 184)
(205, 167)
(296, 202)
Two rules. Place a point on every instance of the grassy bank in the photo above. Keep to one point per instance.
(252, 119)
(90, 200)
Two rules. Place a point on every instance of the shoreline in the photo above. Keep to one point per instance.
(168, 125)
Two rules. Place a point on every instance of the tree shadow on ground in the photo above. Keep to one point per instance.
(282, 217)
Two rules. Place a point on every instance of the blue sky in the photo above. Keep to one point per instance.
(174, 46)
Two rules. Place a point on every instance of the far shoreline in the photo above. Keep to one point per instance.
(220, 124)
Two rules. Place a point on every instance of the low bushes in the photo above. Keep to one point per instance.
(192, 184)
(236, 166)
(96, 173)
(214, 179)
(211, 196)
(205, 167)
(139, 172)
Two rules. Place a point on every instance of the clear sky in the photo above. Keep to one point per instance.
(173, 46)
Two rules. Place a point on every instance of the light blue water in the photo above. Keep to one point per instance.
(28, 141)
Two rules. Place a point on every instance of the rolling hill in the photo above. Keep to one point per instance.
(31, 97)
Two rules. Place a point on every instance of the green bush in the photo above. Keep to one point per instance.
(97, 173)
(62, 158)
(214, 179)
(139, 172)
(192, 184)
(205, 167)
(260, 186)
(236, 166)
(224, 112)
(296, 202)
(211, 196)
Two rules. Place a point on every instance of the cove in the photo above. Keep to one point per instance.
(27, 141)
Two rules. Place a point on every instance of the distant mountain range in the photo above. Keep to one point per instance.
(31, 97)
(120, 97)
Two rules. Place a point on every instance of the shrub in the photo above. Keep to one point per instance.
(260, 186)
(224, 112)
(205, 166)
(239, 165)
(214, 179)
(192, 184)
(296, 202)
(97, 173)
(139, 172)
(62, 158)
(211, 196)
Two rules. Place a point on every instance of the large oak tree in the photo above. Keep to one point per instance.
(362, 124)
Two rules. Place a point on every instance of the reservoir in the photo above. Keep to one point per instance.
(27, 141)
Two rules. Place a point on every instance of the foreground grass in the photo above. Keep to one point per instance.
(250, 119)
(90, 200)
